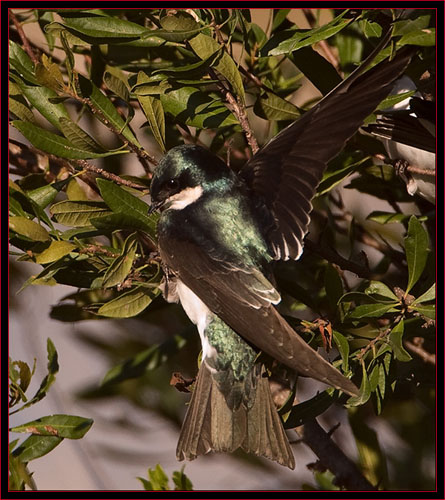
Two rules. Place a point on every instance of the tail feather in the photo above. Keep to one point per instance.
(210, 425)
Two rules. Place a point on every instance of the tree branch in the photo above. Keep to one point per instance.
(416, 346)
(26, 44)
(332, 457)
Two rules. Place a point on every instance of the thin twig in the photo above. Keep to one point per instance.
(323, 44)
(416, 346)
(406, 167)
(23, 37)
(239, 110)
(85, 165)
(332, 256)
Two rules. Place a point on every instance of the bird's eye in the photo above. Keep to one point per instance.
(172, 184)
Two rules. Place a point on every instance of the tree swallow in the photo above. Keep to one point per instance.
(408, 133)
(219, 233)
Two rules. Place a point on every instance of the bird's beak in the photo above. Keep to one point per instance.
(154, 207)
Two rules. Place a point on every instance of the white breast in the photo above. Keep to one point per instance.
(198, 313)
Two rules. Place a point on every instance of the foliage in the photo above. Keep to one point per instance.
(46, 432)
(158, 480)
(90, 228)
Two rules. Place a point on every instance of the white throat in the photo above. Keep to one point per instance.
(184, 198)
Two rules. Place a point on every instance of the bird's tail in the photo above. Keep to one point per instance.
(210, 425)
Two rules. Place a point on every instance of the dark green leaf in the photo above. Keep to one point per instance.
(273, 107)
(428, 310)
(204, 47)
(287, 41)
(54, 144)
(103, 28)
(365, 390)
(181, 481)
(372, 310)
(425, 37)
(41, 98)
(395, 339)
(122, 202)
(62, 426)
(78, 137)
(195, 108)
(154, 112)
(147, 360)
(309, 410)
(333, 285)
(121, 266)
(21, 62)
(103, 103)
(416, 249)
(343, 349)
(36, 446)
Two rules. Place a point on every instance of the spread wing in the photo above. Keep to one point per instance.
(285, 173)
(243, 299)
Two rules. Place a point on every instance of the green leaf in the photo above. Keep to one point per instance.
(21, 62)
(147, 360)
(103, 103)
(333, 285)
(62, 426)
(204, 47)
(78, 137)
(195, 108)
(122, 202)
(45, 195)
(154, 112)
(55, 251)
(53, 368)
(128, 304)
(391, 217)
(380, 291)
(112, 222)
(331, 179)
(425, 37)
(100, 29)
(395, 339)
(158, 479)
(273, 107)
(117, 85)
(426, 310)
(181, 481)
(365, 391)
(54, 144)
(308, 410)
(28, 228)
(371, 310)
(36, 446)
(343, 348)
(121, 266)
(287, 41)
(21, 110)
(39, 97)
(416, 249)
(430, 294)
(77, 213)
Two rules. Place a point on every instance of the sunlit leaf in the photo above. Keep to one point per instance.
(62, 426)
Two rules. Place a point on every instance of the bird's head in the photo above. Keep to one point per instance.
(183, 175)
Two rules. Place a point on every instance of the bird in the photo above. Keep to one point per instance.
(408, 133)
(219, 233)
